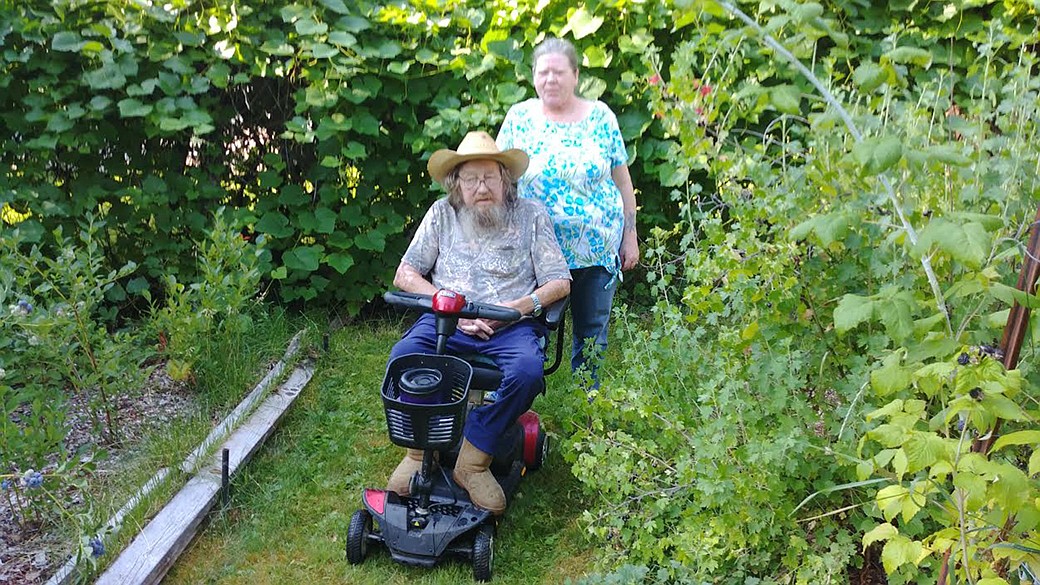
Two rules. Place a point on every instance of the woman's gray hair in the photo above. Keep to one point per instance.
(555, 46)
(454, 188)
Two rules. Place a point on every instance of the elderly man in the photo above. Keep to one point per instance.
(485, 243)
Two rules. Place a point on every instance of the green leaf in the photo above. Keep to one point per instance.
(884, 531)
(900, 463)
(869, 76)
(969, 243)
(342, 38)
(947, 154)
(340, 261)
(388, 49)
(909, 55)
(109, 76)
(900, 550)
(888, 435)
(895, 309)
(583, 23)
(1031, 437)
(891, 376)
(635, 43)
(1034, 463)
(353, 150)
(133, 108)
(172, 124)
(886, 411)
(278, 49)
(596, 56)
(851, 311)
(786, 98)
(336, 6)
(353, 23)
(274, 224)
(91, 47)
(1012, 295)
(923, 450)
(829, 227)
(304, 258)
(191, 39)
(806, 13)
(67, 41)
(864, 469)
(307, 27)
(890, 500)
(372, 241)
(877, 154)
(365, 123)
(1003, 407)
(323, 51)
(292, 194)
(100, 102)
(325, 220)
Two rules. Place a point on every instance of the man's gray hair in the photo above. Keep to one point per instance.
(454, 187)
(555, 46)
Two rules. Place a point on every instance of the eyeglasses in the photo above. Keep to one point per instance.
(470, 183)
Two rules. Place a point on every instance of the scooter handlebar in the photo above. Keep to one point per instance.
(470, 310)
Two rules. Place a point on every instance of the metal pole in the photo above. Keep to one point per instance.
(225, 484)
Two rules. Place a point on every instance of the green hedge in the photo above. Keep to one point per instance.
(310, 122)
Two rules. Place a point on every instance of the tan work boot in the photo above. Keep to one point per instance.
(471, 472)
(401, 478)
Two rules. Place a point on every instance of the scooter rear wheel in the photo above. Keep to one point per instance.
(541, 451)
(357, 536)
(483, 553)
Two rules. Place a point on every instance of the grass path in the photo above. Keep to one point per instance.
(290, 508)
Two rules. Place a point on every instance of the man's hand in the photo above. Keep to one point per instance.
(481, 328)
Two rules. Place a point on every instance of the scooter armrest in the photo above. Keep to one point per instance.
(553, 314)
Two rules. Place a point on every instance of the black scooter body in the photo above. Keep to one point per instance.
(450, 521)
(438, 520)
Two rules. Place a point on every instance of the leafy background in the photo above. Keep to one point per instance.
(834, 203)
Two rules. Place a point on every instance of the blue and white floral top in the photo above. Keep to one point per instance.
(570, 172)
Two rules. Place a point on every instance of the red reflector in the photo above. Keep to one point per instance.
(376, 499)
(530, 422)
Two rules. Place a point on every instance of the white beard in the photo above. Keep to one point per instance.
(476, 222)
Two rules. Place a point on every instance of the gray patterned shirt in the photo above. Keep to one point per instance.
(491, 267)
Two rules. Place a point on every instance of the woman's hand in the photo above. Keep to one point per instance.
(629, 250)
(480, 328)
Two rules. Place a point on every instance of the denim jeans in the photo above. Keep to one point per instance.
(592, 292)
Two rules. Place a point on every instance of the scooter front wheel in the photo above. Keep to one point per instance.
(483, 553)
(357, 536)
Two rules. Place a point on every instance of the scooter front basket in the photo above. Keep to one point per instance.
(429, 424)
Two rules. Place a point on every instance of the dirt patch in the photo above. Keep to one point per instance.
(870, 572)
(31, 553)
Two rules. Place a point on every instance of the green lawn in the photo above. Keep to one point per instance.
(290, 507)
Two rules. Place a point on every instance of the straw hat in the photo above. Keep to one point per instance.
(476, 146)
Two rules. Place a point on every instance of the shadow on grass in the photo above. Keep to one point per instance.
(290, 508)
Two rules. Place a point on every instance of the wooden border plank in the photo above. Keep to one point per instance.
(151, 554)
(67, 572)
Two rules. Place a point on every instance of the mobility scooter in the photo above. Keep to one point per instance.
(425, 399)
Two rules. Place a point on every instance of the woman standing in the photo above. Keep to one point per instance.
(579, 171)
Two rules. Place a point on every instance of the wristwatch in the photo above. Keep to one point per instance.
(537, 305)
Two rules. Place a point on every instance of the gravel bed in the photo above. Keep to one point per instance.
(31, 554)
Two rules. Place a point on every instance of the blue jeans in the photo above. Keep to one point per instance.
(516, 350)
(592, 293)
